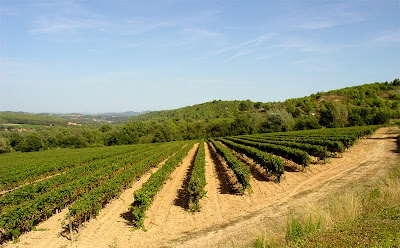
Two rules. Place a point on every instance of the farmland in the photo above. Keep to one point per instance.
(69, 192)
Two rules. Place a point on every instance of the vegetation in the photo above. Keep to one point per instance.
(314, 150)
(37, 185)
(90, 182)
(366, 215)
(296, 155)
(25, 118)
(241, 170)
(92, 202)
(369, 104)
(20, 168)
(197, 180)
(269, 162)
(144, 196)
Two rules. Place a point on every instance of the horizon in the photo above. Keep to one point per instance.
(149, 110)
(83, 57)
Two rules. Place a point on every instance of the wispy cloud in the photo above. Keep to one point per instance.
(62, 25)
(319, 24)
(65, 17)
(202, 33)
(245, 48)
(310, 46)
(389, 37)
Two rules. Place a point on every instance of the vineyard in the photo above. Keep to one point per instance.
(36, 186)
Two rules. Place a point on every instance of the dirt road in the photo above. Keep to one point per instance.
(225, 218)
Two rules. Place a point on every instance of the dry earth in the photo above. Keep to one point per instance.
(225, 218)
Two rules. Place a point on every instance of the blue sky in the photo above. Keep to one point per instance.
(100, 56)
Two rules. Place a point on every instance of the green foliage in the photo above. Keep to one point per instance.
(25, 207)
(241, 170)
(305, 122)
(91, 202)
(333, 114)
(25, 118)
(298, 156)
(314, 150)
(279, 120)
(197, 180)
(105, 128)
(270, 163)
(144, 196)
(4, 148)
(296, 231)
(20, 168)
(369, 104)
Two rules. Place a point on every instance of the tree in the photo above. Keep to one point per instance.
(241, 125)
(306, 122)
(339, 113)
(15, 140)
(3, 146)
(279, 120)
(105, 128)
(245, 105)
(381, 117)
(31, 142)
(333, 114)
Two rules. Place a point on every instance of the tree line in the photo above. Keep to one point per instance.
(368, 104)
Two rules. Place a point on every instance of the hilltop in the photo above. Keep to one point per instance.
(374, 103)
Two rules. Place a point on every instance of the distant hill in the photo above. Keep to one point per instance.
(111, 117)
(9, 117)
(368, 104)
(365, 100)
(127, 113)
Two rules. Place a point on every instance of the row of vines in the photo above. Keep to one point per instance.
(85, 180)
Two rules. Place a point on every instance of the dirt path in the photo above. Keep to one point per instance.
(226, 217)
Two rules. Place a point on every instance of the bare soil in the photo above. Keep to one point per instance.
(225, 218)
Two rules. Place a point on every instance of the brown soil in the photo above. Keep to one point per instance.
(224, 218)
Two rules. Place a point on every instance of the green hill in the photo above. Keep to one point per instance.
(30, 119)
(367, 104)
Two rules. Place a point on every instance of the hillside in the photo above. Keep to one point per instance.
(30, 119)
(367, 104)
(382, 96)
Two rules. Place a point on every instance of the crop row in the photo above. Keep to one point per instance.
(315, 150)
(144, 196)
(296, 155)
(22, 217)
(270, 163)
(32, 191)
(197, 180)
(241, 170)
(93, 201)
(18, 169)
(331, 146)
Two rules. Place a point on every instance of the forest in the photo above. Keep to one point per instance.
(368, 104)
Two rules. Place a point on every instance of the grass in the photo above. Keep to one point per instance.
(379, 228)
(366, 215)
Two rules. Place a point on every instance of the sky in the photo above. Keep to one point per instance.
(102, 56)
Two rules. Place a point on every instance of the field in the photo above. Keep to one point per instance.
(186, 194)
